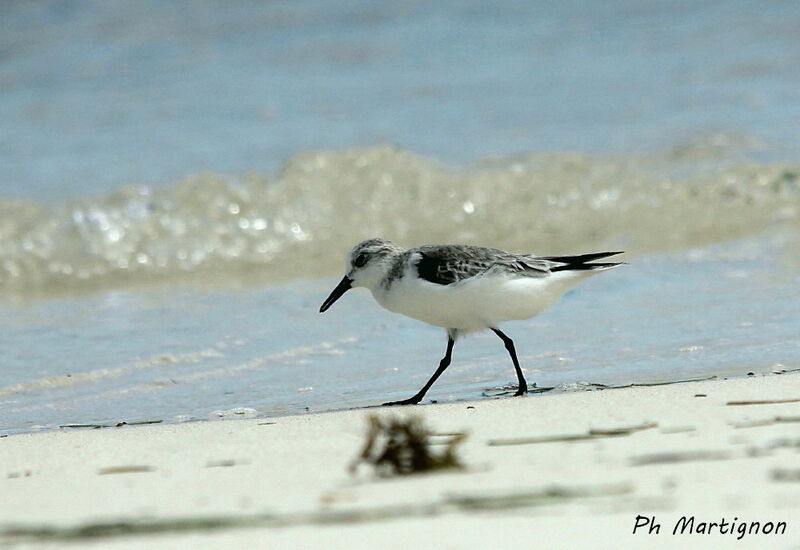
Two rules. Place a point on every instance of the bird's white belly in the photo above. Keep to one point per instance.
(476, 303)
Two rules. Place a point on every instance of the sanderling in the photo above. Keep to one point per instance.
(462, 288)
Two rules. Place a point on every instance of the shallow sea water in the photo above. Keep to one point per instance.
(179, 354)
(178, 188)
(95, 95)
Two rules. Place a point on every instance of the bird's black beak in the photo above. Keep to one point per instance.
(344, 285)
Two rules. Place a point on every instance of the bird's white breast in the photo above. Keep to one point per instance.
(477, 303)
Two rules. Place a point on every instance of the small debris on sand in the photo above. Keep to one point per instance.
(763, 402)
(396, 446)
(125, 470)
(594, 433)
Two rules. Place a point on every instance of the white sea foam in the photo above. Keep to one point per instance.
(223, 229)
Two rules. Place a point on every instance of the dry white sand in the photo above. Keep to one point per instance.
(255, 483)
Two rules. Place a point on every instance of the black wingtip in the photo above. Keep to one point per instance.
(583, 262)
(583, 258)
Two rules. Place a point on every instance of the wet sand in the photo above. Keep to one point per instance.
(552, 471)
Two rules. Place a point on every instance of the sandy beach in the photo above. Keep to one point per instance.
(569, 470)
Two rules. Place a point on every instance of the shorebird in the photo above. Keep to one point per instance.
(462, 288)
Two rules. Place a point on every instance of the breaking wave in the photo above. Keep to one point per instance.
(255, 229)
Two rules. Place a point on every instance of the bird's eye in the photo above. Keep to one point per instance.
(360, 260)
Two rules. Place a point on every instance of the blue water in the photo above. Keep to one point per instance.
(175, 355)
(94, 95)
(99, 95)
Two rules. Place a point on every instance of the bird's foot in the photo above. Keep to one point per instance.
(410, 401)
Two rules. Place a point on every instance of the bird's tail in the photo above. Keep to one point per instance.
(582, 262)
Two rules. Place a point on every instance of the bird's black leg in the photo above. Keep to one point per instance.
(443, 364)
(523, 386)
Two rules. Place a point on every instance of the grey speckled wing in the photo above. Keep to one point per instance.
(448, 264)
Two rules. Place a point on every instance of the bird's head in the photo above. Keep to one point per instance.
(367, 264)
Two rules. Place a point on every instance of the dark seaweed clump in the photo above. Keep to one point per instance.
(396, 446)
